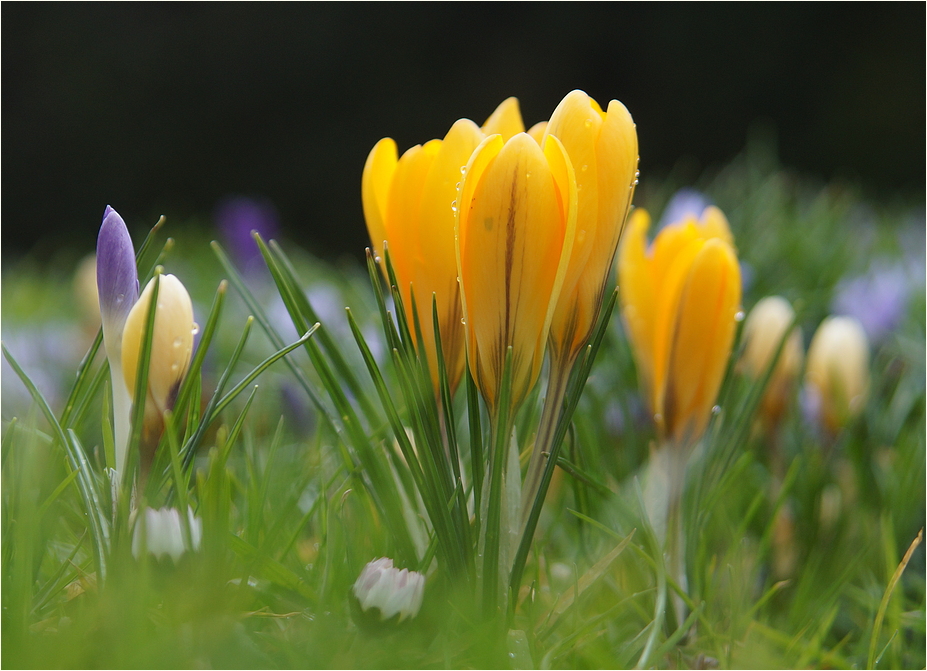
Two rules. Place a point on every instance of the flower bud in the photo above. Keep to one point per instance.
(516, 220)
(164, 533)
(117, 292)
(603, 150)
(837, 372)
(766, 326)
(171, 342)
(391, 591)
(679, 300)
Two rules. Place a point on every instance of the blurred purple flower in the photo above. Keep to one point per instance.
(877, 299)
(686, 202)
(236, 217)
(117, 278)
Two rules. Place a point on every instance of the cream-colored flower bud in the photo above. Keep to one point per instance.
(171, 344)
(764, 330)
(391, 591)
(837, 373)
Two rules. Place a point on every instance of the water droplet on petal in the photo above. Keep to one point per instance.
(715, 409)
(178, 342)
(588, 123)
(463, 170)
(739, 317)
(463, 321)
(175, 367)
(585, 168)
(195, 329)
(658, 417)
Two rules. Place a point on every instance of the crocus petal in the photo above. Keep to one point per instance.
(702, 339)
(378, 173)
(505, 120)
(603, 151)
(117, 278)
(515, 228)
(171, 344)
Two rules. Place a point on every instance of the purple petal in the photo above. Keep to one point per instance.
(117, 278)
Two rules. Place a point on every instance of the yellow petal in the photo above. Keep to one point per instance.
(637, 298)
(603, 150)
(436, 263)
(714, 225)
(378, 174)
(702, 339)
(505, 120)
(171, 344)
(403, 213)
(537, 131)
(512, 222)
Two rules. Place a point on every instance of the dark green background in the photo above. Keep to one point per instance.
(167, 108)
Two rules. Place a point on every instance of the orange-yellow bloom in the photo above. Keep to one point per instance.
(679, 299)
(603, 150)
(408, 202)
(515, 228)
(837, 372)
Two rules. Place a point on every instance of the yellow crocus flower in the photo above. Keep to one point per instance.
(408, 202)
(679, 300)
(603, 150)
(765, 327)
(837, 372)
(516, 220)
(171, 344)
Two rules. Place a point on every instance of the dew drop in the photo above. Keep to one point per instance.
(588, 123)
(715, 409)
(457, 186)
(658, 417)
(120, 298)
(175, 367)
(585, 168)
(512, 655)
(453, 206)
(178, 342)
(463, 321)
(739, 317)
(195, 329)
(376, 259)
(463, 170)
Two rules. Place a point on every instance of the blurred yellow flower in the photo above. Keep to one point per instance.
(679, 300)
(516, 220)
(408, 202)
(171, 343)
(837, 372)
(603, 150)
(764, 329)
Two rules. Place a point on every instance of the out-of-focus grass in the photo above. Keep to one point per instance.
(788, 561)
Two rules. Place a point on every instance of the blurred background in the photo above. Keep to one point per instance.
(174, 108)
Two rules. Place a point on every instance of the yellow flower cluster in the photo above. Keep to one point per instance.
(512, 232)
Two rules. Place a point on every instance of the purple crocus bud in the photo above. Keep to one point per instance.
(236, 217)
(685, 203)
(117, 285)
(117, 279)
